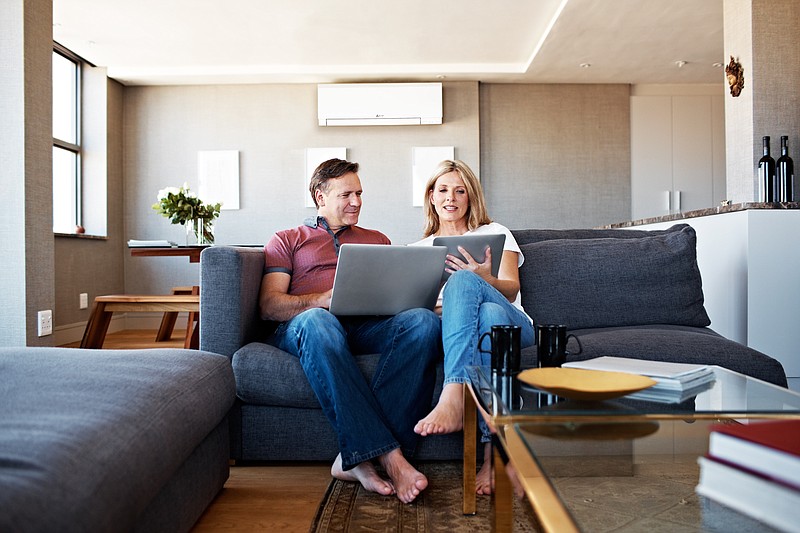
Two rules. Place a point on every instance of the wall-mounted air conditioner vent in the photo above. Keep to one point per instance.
(379, 104)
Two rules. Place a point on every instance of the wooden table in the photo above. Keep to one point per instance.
(168, 321)
(192, 252)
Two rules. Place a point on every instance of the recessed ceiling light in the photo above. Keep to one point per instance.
(716, 65)
(585, 65)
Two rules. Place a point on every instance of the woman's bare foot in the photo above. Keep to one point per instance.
(363, 473)
(447, 416)
(408, 481)
(484, 481)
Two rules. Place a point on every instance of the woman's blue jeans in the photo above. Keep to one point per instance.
(470, 307)
(370, 419)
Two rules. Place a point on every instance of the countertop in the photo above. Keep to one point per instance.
(730, 208)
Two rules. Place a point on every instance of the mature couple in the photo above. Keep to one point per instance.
(381, 421)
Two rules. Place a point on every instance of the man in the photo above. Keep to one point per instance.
(373, 421)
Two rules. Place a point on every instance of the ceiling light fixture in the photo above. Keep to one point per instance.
(585, 65)
(680, 63)
(716, 65)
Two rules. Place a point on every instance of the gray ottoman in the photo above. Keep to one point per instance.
(111, 440)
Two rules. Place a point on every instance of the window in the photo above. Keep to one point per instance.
(66, 141)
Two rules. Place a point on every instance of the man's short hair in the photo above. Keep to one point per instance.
(328, 170)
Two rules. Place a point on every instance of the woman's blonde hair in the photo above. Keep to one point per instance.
(476, 212)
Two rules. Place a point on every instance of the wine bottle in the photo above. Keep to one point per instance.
(766, 174)
(785, 172)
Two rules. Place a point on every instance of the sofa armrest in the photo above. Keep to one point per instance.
(230, 280)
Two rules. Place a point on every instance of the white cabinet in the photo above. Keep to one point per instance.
(677, 153)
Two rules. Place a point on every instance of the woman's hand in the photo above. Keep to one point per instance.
(484, 270)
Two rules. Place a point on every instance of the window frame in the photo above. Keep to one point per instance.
(76, 147)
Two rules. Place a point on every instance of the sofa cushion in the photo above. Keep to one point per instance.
(606, 282)
(266, 375)
(527, 236)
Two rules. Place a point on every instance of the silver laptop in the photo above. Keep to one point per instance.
(381, 279)
(476, 246)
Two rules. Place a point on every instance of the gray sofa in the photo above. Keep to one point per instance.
(628, 293)
(111, 440)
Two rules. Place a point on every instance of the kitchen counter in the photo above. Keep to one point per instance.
(730, 208)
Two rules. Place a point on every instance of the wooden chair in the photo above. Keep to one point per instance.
(106, 306)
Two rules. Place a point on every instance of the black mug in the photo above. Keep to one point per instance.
(505, 349)
(551, 344)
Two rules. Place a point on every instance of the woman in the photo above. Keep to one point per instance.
(472, 300)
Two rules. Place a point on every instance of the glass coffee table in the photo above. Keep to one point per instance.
(612, 465)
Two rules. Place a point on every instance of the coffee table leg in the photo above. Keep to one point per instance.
(469, 499)
(503, 494)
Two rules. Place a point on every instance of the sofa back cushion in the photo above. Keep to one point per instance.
(606, 278)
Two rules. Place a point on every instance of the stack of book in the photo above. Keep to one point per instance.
(755, 469)
(675, 382)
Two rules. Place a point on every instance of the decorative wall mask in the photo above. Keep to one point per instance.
(735, 74)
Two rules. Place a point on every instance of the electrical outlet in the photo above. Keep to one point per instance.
(45, 323)
(83, 300)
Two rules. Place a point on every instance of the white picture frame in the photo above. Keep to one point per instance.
(218, 177)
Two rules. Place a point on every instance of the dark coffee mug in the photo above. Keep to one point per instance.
(504, 349)
(551, 344)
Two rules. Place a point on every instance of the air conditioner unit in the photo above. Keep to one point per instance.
(379, 104)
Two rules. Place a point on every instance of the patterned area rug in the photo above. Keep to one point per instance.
(348, 507)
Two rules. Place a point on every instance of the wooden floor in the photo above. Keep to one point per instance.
(255, 498)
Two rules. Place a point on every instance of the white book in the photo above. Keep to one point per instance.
(767, 501)
(134, 243)
(675, 382)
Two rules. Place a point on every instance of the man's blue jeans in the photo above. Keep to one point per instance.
(470, 307)
(370, 419)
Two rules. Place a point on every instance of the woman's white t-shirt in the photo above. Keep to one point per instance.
(510, 245)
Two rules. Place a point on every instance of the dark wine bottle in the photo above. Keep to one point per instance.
(785, 172)
(766, 174)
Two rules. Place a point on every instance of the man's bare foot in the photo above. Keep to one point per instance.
(363, 473)
(447, 416)
(408, 481)
(484, 481)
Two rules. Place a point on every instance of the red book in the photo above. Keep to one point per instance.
(770, 448)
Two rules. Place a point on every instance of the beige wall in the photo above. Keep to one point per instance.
(26, 227)
(271, 126)
(549, 156)
(762, 35)
(556, 156)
